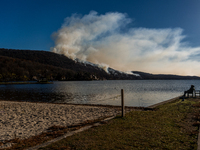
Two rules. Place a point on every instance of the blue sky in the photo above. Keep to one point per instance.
(28, 24)
(32, 24)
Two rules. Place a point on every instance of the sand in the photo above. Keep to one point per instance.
(25, 119)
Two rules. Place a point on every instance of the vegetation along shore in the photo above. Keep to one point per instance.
(6, 83)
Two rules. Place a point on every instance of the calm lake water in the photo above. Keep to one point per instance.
(137, 92)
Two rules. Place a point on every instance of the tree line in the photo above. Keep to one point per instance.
(14, 69)
(23, 65)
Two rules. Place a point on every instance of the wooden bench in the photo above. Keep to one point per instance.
(197, 93)
(187, 94)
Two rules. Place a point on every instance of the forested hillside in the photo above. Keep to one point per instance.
(20, 65)
(28, 65)
(14, 69)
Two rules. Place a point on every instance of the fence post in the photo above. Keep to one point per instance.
(122, 102)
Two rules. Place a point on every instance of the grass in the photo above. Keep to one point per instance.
(168, 127)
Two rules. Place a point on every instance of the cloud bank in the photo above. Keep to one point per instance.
(106, 40)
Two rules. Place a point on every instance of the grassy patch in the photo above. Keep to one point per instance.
(168, 127)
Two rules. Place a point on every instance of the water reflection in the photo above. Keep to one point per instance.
(137, 93)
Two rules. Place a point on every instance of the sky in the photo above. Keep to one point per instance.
(155, 36)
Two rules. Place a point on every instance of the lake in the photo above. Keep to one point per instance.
(136, 92)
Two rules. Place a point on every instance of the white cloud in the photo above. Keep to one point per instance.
(99, 39)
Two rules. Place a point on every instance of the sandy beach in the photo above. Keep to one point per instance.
(25, 119)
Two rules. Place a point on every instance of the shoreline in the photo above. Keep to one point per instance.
(160, 129)
(20, 119)
(94, 105)
(163, 102)
(25, 119)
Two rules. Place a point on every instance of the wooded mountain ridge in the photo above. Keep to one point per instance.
(20, 65)
(26, 65)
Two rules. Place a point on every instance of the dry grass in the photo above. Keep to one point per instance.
(168, 127)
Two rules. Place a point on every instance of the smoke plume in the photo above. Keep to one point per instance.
(106, 40)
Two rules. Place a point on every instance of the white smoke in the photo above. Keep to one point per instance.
(105, 40)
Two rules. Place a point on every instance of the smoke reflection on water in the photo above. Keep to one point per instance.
(137, 93)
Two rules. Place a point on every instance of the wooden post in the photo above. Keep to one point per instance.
(122, 102)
